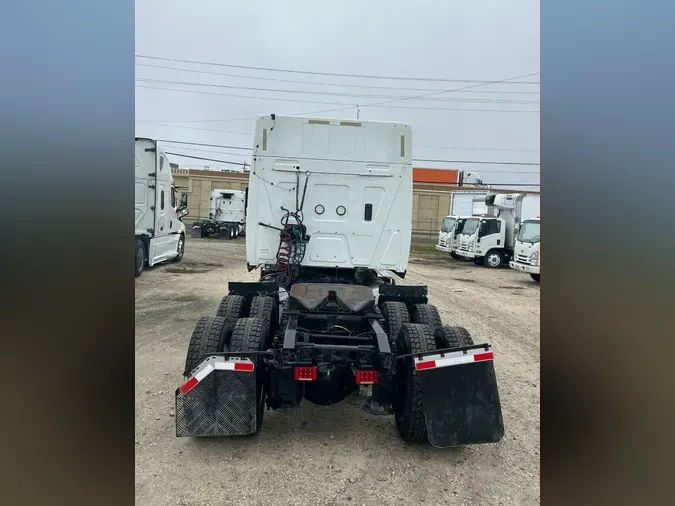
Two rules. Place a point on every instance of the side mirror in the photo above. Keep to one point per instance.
(184, 200)
(184, 211)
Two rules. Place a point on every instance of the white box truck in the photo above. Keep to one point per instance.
(227, 215)
(463, 204)
(527, 257)
(160, 232)
(490, 239)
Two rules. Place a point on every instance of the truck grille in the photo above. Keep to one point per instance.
(523, 259)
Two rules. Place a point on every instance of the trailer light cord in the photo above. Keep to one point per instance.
(293, 238)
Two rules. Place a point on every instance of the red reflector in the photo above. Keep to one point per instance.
(429, 364)
(305, 373)
(191, 383)
(243, 366)
(366, 377)
(482, 356)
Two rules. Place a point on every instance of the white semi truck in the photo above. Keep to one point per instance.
(463, 204)
(227, 215)
(490, 239)
(160, 232)
(329, 212)
(527, 257)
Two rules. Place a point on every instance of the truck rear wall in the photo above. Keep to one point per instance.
(358, 204)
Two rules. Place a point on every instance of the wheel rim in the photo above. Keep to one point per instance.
(494, 260)
(181, 247)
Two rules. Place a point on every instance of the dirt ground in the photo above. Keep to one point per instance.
(334, 455)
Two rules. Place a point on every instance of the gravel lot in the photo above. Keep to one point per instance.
(333, 455)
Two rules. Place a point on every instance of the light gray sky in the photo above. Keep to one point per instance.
(485, 40)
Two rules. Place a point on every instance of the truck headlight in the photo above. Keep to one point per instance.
(534, 258)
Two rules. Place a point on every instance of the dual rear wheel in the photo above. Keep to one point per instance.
(237, 328)
(415, 331)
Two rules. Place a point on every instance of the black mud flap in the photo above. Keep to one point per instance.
(219, 399)
(460, 396)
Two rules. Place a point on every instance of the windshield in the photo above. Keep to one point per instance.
(448, 224)
(529, 232)
(470, 226)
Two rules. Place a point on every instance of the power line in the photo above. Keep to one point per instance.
(340, 85)
(363, 161)
(458, 148)
(240, 164)
(229, 162)
(345, 106)
(202, 150)
(377, 104)
(164, 124)
(199, 144)
(534, 164)
(335, 94)
(333, 74)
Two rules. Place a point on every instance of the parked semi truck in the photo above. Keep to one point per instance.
(462, 205)
(490, 239)
(227, 215)
(160, 232)
(329, 217)
(527, 256)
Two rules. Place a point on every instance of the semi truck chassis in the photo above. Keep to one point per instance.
(330, 337)
(223, 229)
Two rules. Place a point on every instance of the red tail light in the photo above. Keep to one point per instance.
(366, 377)
(305, 373)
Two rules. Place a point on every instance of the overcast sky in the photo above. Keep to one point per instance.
(482, 40)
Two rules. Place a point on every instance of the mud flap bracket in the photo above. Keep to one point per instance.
(460, 396)
(219, 399)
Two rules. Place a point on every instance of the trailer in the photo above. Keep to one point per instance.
(227, 215)
(329, 213)
(160, 232)
(490, 239)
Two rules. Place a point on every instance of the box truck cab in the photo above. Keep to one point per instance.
(526, 252)
(490, 239)
(462, 204)
(160, 232)
(447, 233)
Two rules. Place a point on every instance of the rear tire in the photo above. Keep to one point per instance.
(452, 337)
(251, 334)
(455, 256)
(206, 339)
(232, 307)
(494, 259)
(264, 308)
(535, 277)
(408, 406)
(180, 248)
(395, 316)
(140, 257)
(426, 314)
